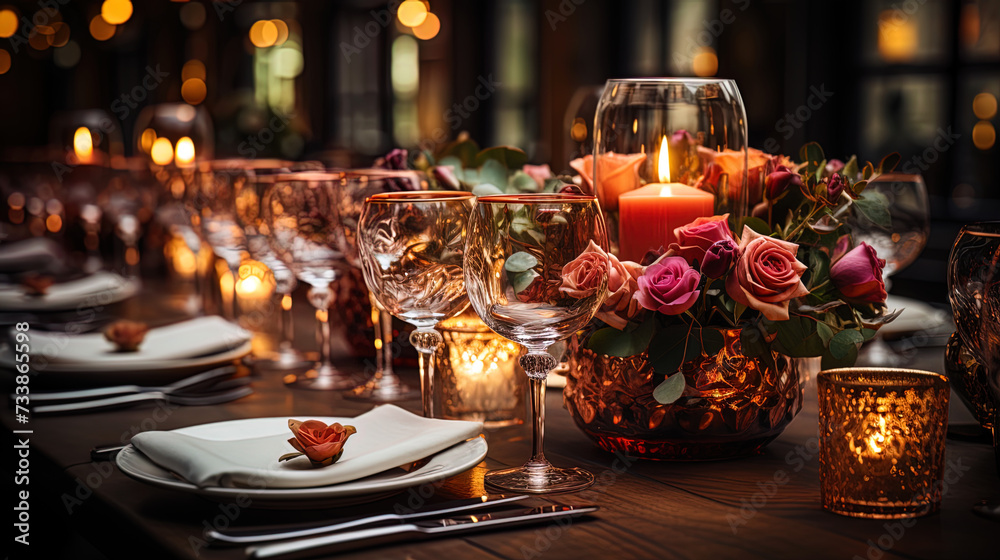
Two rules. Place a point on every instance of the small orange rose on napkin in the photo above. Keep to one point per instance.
(126, 335)
(322, 444)
(36, 284)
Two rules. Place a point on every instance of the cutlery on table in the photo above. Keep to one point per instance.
(128, 400)
(186, 385)
(246, 536)
(419, 530)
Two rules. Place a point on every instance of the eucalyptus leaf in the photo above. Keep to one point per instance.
(875, 206)
(494, 173)
(825, 332)
(522, 182)
(712, 341)
(756, 224)
(851, 168)
(508, 156)
(831, 362)
(670, 389)
(624, 343)
(520, 262)
(485, 189)
(844, 341)
(464, 150)
(521, 280)
(798, 337)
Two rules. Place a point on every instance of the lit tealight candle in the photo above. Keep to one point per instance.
(83, 146)
(648, 216)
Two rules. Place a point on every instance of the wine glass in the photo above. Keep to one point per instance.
(300, 212)
(126, 200)
(518, 250)
(411, 247)
(899, 244)
(355, 187)
(249, 198)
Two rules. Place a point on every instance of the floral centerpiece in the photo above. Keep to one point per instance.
(700, 334)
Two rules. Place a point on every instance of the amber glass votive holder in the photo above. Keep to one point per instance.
(882, 435)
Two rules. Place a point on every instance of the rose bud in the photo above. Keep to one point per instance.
(858, 275)
(834, 166)
(540, 173)
(779, 181)
(126, 335)
(322, 444)
(396, 159)
(570, 188)
(445, 175)
(669, 286)
(835, 187)
(719, 258)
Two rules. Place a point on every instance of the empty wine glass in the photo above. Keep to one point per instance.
(356, 186)
(126, 201)
(411, 248)
(519, 250)
(300, 212)
(249, 197)
(899, 244)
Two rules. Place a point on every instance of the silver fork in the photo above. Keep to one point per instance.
(186, 384)
(128, 400)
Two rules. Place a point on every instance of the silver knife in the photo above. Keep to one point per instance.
(440, 510)
(420, 530)
(178, 386)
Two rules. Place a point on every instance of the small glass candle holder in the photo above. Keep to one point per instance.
(882, 436)
(478, 375)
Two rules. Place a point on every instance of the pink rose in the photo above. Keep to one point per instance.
(858, 275)
(695, 238)
(586, 274)
(669, 286)
(538, 172)
(767, 275)
(620, 305)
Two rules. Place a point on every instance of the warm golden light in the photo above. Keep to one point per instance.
(116, 12)
(4, 61)
(59, 36)
(83, 144)
(263, 33)
(412, 13)
(984, 105)
(185, 151)
(146, 139)
(286, 302)
(705, 63)
(8, 23)
(282, 29)
(162, 151)
(579, 130)
(193, 91)
(984, 135)
(193, 69)
(663, 163)
(897, 36)
(429, 28)
(100, 29)
(53, 223)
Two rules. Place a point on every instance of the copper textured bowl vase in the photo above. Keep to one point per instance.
(733, 405)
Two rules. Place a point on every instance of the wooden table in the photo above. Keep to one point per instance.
(729, 509)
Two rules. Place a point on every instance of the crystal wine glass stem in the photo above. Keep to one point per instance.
(537, 364)
(322, 298)
(426, 340)
(385, 324)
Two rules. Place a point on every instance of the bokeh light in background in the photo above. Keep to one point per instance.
(429, 28)
(984, 105)
(8, 22)
(100, 29)
(162, 151)
(184, 153)
(116, 12)
(412, 13)
(4, 61)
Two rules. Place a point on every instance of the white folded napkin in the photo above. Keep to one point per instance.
(197, 337)
(387, 437)
(88, 291)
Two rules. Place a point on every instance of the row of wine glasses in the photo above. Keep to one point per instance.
(427, 255)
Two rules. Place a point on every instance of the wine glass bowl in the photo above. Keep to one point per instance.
(411, 247)
(908, 208)
(536, 270)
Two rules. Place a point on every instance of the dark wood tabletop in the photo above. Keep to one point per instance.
(727, 509)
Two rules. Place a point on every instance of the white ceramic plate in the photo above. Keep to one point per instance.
(151, 373)
(447, 463)
(98, 289)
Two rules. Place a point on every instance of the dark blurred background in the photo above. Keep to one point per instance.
(349, 80)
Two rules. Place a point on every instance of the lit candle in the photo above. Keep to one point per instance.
(647, 216)
(184, 152)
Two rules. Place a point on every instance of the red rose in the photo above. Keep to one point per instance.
(694, 239)
(858, 275)
(767, 275)
(779, 181)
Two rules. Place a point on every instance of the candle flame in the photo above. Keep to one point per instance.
(83, 144)
(663, 164)
(876, 442)
(666, 190)
(184, 151)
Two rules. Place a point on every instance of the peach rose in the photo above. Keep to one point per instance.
(730, 162)
(586, 274)
(767, 275)
(322, 444)
(694, 239)
(618, 172)
(620, 305)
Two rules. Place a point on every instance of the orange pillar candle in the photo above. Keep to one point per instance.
(647, 216)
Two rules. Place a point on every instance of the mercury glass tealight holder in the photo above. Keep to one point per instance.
(882, 437)
(478, 376)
